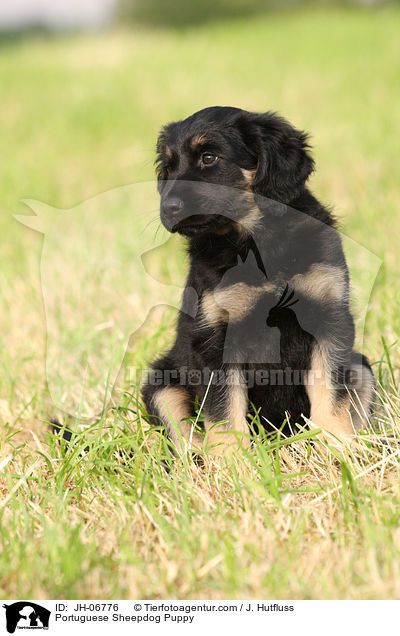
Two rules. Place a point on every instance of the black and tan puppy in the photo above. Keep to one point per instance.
(271, 329)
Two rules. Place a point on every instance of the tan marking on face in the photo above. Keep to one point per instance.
(248, 176)
(197, 140)
(168, 153)
(321, 282)
(233, 303)
(220, 436)
(172, 404)
(320, 390)
(253, 217)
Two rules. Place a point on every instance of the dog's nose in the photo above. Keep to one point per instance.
(172, 206)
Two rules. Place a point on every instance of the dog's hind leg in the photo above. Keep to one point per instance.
(340, 399)
(329, 406)
(361, 385)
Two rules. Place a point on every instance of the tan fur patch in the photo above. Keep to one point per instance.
(249, 222)
(220, 436)
(320, 392)
(238, 402)
(198, 140)
(321, 282)
(173, 405)
(168, 152)
(233, 303)
(248, 176)
(213, 314)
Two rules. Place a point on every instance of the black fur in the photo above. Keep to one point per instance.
(262, 165)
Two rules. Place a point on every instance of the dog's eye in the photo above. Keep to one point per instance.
(207, 158)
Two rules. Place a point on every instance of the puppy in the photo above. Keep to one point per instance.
(269, 329)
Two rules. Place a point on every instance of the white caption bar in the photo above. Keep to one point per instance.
(22, 617)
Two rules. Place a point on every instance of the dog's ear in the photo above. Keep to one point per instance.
(283, 161)
(162, 155)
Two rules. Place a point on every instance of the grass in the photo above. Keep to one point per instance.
(79, 116)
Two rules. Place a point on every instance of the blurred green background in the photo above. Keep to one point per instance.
(181, 13)
(81, 110)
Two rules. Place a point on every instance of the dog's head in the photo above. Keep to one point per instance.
(211, 166)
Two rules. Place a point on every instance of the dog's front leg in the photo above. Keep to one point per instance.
(173, 406)
(225, 413)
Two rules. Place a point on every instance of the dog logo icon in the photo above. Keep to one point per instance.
(26, 615)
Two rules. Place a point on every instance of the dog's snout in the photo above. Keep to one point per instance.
(172, 206)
